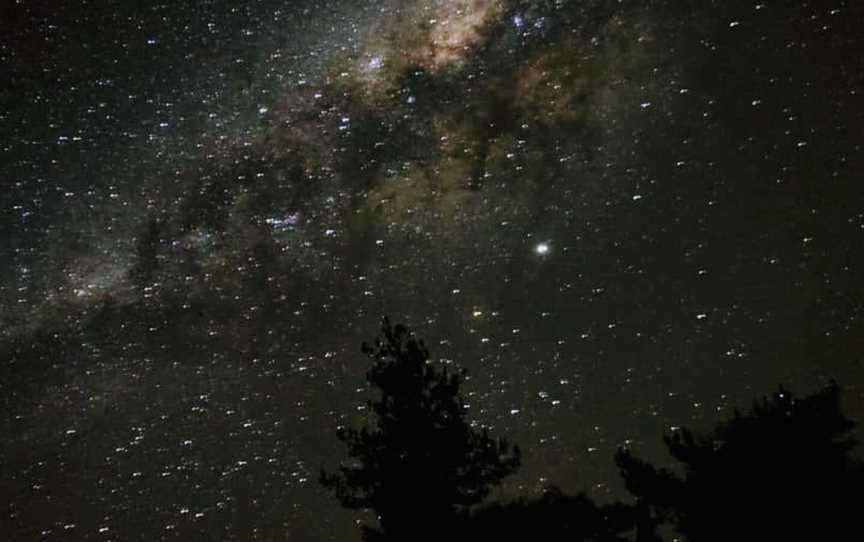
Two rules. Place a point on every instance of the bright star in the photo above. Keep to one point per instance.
(542, 248)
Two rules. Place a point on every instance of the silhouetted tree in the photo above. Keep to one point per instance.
(422, 464)
(780, 472)
(551, 518)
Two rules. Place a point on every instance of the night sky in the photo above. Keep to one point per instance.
(620, 216)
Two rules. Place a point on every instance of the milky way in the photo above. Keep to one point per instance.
(621, 217)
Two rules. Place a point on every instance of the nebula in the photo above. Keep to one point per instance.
(456, 28)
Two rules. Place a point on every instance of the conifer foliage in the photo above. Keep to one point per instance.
(782, 471)
(422, 464)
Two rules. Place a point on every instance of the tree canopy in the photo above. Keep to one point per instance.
(553, 517)
(782, 471)
(422, 463)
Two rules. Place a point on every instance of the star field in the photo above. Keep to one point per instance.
(620, 217)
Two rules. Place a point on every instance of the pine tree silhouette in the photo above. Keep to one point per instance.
(783, 471)
(422, 464)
